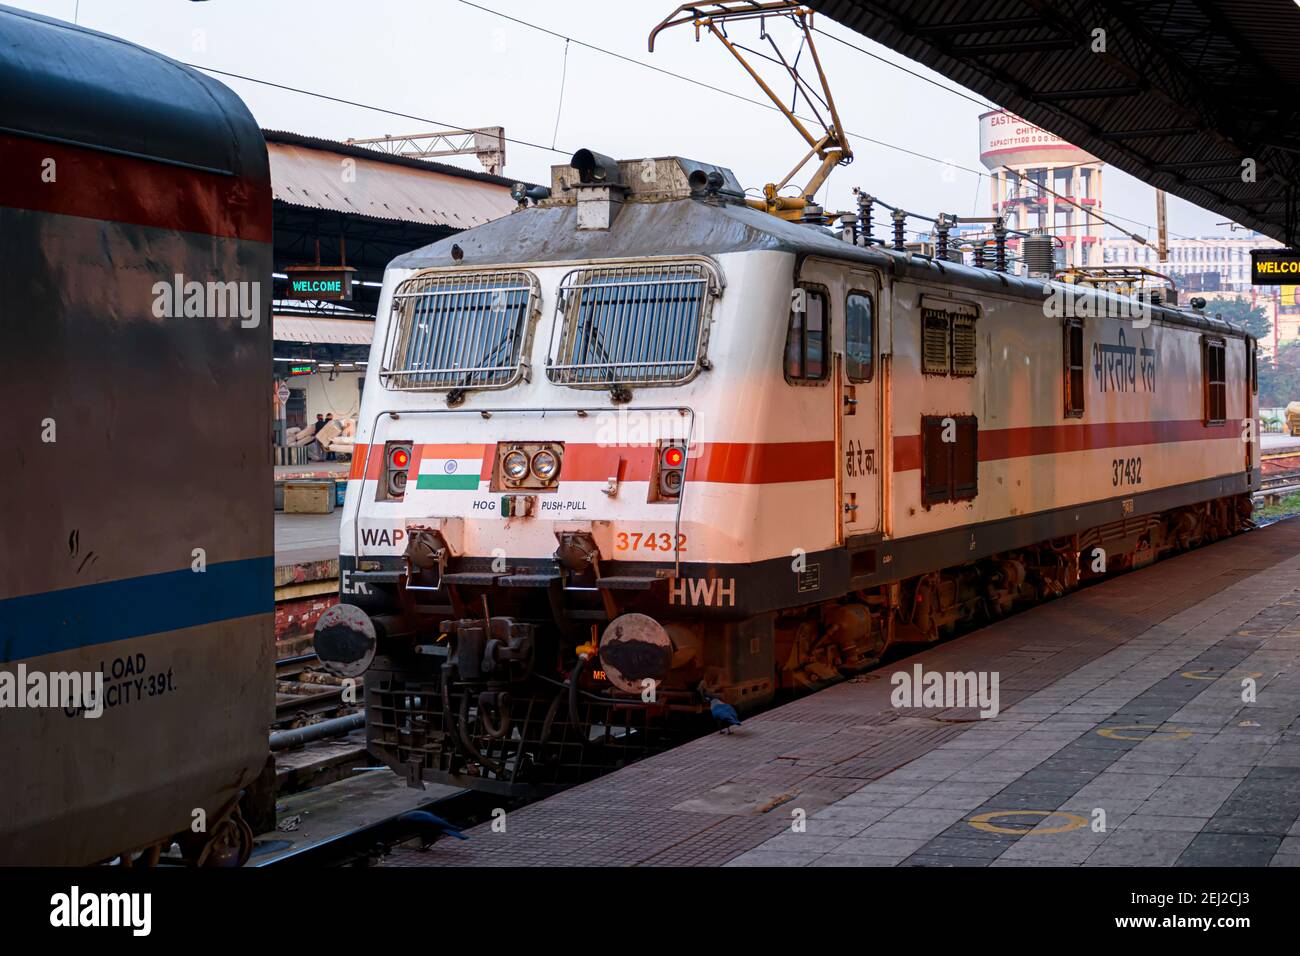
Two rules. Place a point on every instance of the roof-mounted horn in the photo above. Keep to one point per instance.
(596, 169)
(600, 189)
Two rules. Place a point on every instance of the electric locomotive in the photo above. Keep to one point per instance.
(643, 443)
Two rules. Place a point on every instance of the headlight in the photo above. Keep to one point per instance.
(545, 465)
(515, 466)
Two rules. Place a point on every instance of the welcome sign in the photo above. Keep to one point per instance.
(1274, 266)
(320, 282)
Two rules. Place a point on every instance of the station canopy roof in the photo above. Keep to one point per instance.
(322, 330)
(337, 203)
(1183, 93)
(316, 174)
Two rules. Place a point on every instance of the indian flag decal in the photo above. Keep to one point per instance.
(449, 474)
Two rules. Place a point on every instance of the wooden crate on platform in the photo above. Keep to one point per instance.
(309, 497)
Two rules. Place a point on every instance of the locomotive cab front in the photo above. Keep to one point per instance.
(580, 446)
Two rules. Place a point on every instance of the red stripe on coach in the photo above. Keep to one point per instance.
(94, 184)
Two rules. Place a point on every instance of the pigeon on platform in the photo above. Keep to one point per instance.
(431, 827)
(724, 715)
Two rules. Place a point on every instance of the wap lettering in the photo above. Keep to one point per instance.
(1124, 368)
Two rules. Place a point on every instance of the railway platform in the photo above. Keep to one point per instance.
(1148, 720)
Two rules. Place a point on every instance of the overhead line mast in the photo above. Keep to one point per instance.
(831, 146)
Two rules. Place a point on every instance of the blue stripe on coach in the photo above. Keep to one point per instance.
(37, 624)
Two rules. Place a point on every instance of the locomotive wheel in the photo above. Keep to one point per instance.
(230, 845)
(246, 838)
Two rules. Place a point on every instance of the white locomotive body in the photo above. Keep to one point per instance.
(641, 440)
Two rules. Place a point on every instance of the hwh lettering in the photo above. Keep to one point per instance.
(702, 592)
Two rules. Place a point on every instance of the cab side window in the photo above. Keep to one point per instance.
(1074, 377)
(859, 345)
(1213, 367)
(806, 340)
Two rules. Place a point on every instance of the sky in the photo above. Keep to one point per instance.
(454, 63)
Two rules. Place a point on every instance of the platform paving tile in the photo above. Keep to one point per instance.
(854, 812)
(842, 827)
(965, 840)
(854, 860)
(881, 846)
(984, 775)
(903, 829)
(1117, 786)
(804, 843)
(1229, 849)
(1164, 649)
(761, 857)
(1150, 821)
(917, 859)
(1065, 849)
(1140, 848)
(926, 815)
(1116, 809)
(953, 799)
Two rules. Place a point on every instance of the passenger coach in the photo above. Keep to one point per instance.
(136, 574)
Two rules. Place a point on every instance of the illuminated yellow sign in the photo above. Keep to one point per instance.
(1274, 266)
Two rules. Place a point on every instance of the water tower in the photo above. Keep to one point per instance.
(1027, 166)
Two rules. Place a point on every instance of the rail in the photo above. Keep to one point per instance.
(362, 844)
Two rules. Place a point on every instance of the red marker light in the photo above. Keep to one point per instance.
(401, 458)
(674, 456)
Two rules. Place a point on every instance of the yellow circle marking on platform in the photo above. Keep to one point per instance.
(983, 821)
(1173, 733)
(1197, 675)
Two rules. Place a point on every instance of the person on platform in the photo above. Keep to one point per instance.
(329, 455)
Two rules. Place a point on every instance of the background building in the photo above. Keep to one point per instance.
(1199, 264)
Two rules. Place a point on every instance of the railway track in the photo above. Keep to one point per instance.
(367, 844)
(1280, 476)
(304, 691)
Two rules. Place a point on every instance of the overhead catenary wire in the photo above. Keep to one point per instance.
(453, 127)
(559, 107)
(707, 86)
(649, 66)
(1138, 239)
(553, 149)
(898, 66)
(768, 106)
(1087, 212)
